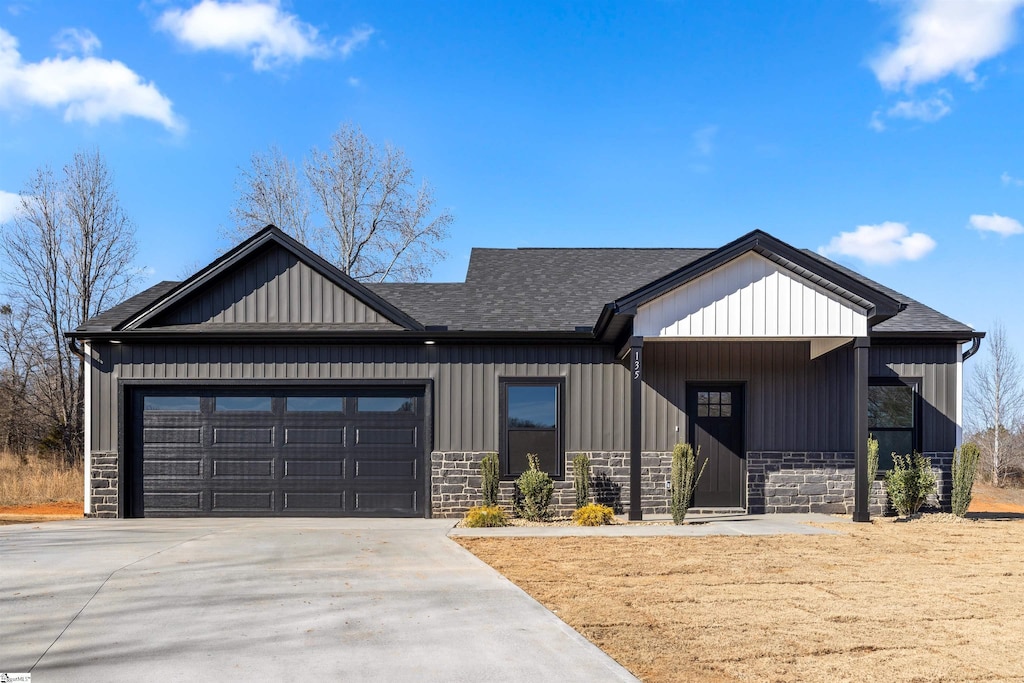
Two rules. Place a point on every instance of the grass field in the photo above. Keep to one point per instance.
(31, 480)
(888, 601)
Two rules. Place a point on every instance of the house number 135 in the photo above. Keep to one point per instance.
(636, 365)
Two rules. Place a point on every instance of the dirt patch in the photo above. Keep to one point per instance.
(40, 512)
(986, 498)
(928, 600)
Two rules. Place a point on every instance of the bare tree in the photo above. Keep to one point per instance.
(70, 253)
(995, 397)
(362, 207)
(270, 191)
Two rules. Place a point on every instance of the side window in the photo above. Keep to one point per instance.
(531, 422)
(893, 418)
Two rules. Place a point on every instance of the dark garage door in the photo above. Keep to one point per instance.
(277, 452)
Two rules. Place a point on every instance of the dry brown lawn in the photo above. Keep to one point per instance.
(32, 479)
(921, 601)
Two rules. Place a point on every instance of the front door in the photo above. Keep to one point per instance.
(716, 427)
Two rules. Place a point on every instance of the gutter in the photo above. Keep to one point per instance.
(975, 345)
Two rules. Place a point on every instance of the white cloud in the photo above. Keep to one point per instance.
(704, 140)
(876, 123)
(77, 41)
(929, 109)
(87, 88)
(258, 28)
(10, 204)
(355, 40)
(885, 243)
(943, 37)
(1009, 180)
(354, 82)
(1002, 225)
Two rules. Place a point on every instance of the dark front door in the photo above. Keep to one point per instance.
(716, 426)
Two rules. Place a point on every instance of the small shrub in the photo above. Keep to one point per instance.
(965, 467)
(489, 479)
(684, 479)
(535, 490)
(593, 514)
(872, 461)
(581, 479)
(485, 516)
(909, 482)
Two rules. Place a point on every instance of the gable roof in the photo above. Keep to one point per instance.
(547, 290)
(161, 305)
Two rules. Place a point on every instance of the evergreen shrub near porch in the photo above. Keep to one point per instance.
(909, 483)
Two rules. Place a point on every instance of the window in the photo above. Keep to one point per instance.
(251, 403)
(893, 418)
(531, 422)
(384, 404)
(189, 403)
(314, 404)
(714, 404)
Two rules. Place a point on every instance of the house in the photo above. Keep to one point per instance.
(270, 383)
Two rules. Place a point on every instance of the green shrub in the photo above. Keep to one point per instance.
(872, 461)
(684, 479)
(965, 467)
(535, 490)
(489, 479)
(485, 516)
(909, 482)
(593, 514)
(581, 479)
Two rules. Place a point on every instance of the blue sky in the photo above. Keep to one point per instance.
(886, 133)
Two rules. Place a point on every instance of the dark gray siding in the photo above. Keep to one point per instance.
(273, 287)
(935, 365)
(465, 382)
(793, 403)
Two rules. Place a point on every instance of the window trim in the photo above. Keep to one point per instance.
(559, 384)
(914, 384)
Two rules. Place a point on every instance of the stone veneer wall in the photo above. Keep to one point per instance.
(103, 482)
(455, 483)
(824, 482)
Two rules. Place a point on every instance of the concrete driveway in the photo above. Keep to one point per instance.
(272, 599)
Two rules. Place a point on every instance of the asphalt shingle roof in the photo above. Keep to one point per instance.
(559, 289)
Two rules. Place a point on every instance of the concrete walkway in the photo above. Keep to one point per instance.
(272, 599)
(697, 525)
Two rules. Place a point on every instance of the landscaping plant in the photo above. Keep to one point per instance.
(489, 479)
(684, 479)
(872, 461)
(593, 514)
(909, 482)
(581, 479)
(535, 490)
(485, 516)
(965, 467)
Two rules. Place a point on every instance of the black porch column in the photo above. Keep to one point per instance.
(862, 487)
(635, 364)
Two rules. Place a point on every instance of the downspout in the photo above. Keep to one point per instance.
(975, 345)
(76, 349)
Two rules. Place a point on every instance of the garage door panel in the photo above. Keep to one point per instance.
(313, 435)
(330, 451)
(368, 469)
(243, 501)
(185, 436)
(247, 435)
(321, 469)
(243, 468)
(387, 436)
(384, 501)
(173, 468)
(314, 502)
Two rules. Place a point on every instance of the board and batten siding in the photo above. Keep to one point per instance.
(274, 287)
(750, 296)
(936, 367)
(465, 381)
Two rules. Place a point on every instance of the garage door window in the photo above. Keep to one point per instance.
(384, 404)
(315, 404)
(532, 413)
(259, 404)
(178, 403)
